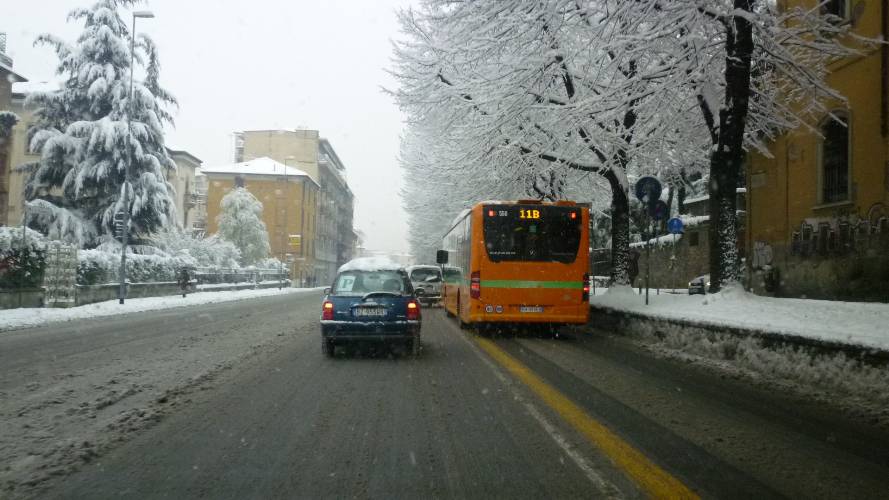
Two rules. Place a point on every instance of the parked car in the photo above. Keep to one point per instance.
(699, 285)
(371, 300)
(426, 281)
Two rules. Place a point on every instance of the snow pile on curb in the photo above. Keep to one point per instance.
(12, 319)
(859, 323)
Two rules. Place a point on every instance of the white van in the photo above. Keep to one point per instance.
(426, 281)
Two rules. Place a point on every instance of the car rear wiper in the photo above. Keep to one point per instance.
(377, 294)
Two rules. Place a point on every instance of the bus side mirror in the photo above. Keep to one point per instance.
(441, 257)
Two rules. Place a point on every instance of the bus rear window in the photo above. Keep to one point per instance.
(537, 233)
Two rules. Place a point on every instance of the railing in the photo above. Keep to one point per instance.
(207, 275)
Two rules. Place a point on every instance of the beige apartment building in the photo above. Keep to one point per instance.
(191, 202)
(289, 197)
(334, 240)
(10, 140)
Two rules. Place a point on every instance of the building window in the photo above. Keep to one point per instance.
(834, 155)
(837, 8)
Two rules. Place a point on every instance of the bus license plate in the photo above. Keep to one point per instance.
(531, 309)
(374, 312)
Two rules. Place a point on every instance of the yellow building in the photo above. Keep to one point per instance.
(818, 211)
(9, 139)
(288, 197)
(334, 239)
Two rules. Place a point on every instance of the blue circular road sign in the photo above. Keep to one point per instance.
(675, 225)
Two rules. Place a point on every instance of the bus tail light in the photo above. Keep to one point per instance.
(413, 310)
(475, 285)
(586, 287)
(327, 310)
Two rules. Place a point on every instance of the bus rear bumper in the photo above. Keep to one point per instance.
(519, 318)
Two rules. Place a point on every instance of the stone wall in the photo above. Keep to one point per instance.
(88, 294)
(844, 261)
(674, 264)
(26, 297)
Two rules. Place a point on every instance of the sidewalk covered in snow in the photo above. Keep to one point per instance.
(856, 323)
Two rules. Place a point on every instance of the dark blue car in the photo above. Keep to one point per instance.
(371, 300)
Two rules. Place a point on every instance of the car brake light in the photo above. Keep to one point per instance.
(413, 310)
(327, 310)
(475, 285)
(586, 287)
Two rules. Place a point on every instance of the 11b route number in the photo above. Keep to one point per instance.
(529, 214)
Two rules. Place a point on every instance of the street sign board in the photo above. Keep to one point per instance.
(674, 225)
(658, 211)
(648, 189)
(295, 241)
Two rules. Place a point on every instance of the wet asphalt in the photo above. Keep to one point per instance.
(376, 423)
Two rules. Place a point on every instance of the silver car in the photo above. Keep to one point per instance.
(426, 281)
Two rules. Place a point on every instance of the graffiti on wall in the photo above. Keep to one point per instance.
(841, 233)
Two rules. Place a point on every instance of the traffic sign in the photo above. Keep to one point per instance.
(658, 210)
(674, 225)
(648, 190)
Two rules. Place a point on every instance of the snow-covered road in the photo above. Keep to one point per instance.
(13, 319)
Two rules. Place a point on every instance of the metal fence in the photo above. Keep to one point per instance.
(208, 275)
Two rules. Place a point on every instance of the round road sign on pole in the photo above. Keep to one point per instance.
(674, 225)
(648, 189)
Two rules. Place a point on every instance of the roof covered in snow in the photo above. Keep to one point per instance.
(257, 166)
(371, 264)
(25, 87)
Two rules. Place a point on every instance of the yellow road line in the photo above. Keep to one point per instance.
(656, 482)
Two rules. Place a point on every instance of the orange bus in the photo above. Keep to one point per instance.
(522, 262)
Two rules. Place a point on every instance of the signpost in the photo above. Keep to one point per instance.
(648, 191)
(674, 226)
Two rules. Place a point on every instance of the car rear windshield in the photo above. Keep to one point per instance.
(451, 274)
(537, 233)
(358, 283)
(427, 275)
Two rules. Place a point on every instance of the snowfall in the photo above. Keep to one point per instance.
(858, 323)
(14, 319)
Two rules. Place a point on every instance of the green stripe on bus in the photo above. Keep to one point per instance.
(531, 284)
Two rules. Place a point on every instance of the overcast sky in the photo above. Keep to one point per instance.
(265, 64)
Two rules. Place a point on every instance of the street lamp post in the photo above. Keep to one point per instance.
(284, 233)
(125, 230)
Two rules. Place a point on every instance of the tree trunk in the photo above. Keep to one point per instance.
(728, 156)
(620, 231)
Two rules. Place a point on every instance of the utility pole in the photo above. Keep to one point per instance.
(124, 238)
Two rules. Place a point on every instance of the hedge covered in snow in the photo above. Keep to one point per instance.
(22, 261)
(99, 266)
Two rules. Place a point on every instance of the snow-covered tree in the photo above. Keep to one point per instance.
(240, 222)
(753, 69)
(527, 91)
(212, 251)
(94, 141)
(617, 89)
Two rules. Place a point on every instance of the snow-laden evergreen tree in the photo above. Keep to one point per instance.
(92, 137)
(240, 222)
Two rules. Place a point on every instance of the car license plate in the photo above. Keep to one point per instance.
(370, 312)
(531, 309)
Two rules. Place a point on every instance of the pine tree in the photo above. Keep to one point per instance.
(89, 132)
(240, 222)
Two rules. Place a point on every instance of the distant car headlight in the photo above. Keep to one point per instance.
(708, 283)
